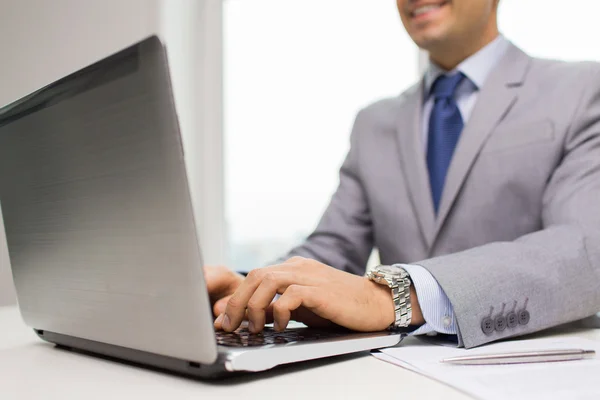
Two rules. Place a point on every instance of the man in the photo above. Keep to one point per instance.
(481, 184)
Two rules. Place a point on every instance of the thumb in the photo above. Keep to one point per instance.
(221, 305)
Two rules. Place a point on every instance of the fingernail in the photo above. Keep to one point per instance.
(276, 325)
(251, 326)
(226, 322)
(219, 319)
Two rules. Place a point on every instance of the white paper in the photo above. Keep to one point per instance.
(557, 380)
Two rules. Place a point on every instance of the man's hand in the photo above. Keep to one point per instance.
(312, 293)
(221, 283)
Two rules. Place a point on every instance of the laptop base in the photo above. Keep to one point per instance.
(230, 361)
(139, 358)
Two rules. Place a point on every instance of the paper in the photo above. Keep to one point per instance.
(557, 380)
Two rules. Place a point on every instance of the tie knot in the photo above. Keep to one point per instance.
(445, 86)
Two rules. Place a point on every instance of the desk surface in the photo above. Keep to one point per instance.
(33, 369)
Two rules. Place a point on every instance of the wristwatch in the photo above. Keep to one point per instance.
(399, 281)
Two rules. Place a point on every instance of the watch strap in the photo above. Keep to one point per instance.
(402, 305)
(399, 283)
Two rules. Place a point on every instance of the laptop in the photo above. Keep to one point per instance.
(102, 235)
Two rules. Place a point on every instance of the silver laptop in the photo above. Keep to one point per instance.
(101, 231)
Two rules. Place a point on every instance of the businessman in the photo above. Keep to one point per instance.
(480, 186)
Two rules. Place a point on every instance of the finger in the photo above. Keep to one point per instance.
(236, 306)
(308, 317)
(218, 324)
(220, 305)
(238, 303)
(304, 315)
(272, 284)
(294, 297)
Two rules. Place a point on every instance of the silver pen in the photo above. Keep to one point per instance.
(539, 356)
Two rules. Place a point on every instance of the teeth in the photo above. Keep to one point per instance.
(425, 9)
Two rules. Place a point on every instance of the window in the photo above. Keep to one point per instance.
(553, 29)
(296, 74)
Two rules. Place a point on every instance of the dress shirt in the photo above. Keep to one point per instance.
(436, 307)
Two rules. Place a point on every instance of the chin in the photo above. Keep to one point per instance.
(430, 39)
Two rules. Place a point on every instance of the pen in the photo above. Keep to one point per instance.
(523, 357)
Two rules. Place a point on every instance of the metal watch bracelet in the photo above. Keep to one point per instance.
(398, 280)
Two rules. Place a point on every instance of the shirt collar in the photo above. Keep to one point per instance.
(476, 68)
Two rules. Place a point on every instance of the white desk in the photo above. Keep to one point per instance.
(33, 369)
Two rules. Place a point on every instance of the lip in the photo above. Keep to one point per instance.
(429, 14)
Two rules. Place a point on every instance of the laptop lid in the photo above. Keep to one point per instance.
(97, 211)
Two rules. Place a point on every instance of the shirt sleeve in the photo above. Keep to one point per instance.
(436, 307)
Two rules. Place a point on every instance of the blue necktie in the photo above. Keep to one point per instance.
(445, 126)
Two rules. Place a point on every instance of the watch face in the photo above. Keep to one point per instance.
(389, 269)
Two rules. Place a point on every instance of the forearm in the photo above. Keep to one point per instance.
(555, 273)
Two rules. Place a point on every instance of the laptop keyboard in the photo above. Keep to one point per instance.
(243, 338)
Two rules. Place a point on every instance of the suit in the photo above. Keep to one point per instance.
(518, 227)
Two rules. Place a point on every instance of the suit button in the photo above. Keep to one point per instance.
(487, 325)
(500, 323)
(524, 317)
(512, 320)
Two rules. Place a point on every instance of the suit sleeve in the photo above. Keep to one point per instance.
(553, 274)
(344, 236)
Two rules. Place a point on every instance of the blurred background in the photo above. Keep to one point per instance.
(296, 73)
(266, 90)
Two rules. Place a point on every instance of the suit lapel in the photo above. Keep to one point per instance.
(495, 100)
(412, 158)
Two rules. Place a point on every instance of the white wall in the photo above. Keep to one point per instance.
(194, 35)
(42, 41)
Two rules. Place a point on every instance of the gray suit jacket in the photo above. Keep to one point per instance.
(519, 221)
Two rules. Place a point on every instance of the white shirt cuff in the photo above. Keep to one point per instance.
(436, 307)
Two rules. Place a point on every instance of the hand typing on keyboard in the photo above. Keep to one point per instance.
(311, 292)
(244, 338)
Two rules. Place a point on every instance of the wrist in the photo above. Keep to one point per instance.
(417, 314)
(385, 304)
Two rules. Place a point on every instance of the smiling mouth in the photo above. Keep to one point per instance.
(428, 8)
